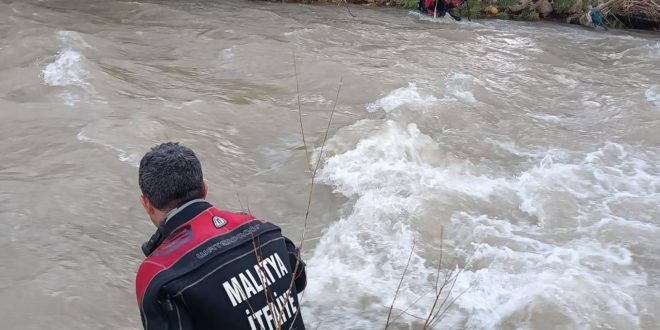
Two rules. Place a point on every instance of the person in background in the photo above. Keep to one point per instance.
(442, 7)
(207, 268)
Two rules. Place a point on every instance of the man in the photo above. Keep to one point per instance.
(207, 268)
(442, 7)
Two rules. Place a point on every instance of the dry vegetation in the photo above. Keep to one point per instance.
(647, 10)
(442, 297)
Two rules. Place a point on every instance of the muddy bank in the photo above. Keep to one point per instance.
(639, 14)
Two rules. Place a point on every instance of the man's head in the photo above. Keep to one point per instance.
(170, 175)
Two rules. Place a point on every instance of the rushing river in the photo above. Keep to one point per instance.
(535, 146)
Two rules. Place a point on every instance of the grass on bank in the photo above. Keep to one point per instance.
(409, 4)
(564, 5)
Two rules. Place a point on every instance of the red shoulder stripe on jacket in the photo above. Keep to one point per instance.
(202, 230)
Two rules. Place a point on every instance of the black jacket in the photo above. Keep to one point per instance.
(211, 269)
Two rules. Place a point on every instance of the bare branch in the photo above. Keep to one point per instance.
(302, 128)
(437, 277)
(409, 314)
(327, 129)
(435, 317)
(348, 8)
(398, 288)
(411, 305)
(313, 171)
(239, 202)
(438, 291)
(447, 307)
(318, 163)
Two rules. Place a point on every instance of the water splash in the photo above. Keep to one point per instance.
(69, 70)
(404, 96)
(66, 70)
(652, 95)
(548, 244)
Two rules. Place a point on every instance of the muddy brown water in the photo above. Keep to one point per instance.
(535, 146)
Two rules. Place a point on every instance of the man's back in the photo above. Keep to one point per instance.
(219, 270)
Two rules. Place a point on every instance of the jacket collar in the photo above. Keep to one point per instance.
(173, 220)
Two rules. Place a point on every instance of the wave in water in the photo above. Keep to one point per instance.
(457, 87)
(123, 155)
(568, 241)
(69, 69)
(645, 51)
(404, 96)
(652, 95)
(66, 70)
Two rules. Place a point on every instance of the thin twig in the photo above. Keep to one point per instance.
(313, 176)
(411, 305)
(437, 277)
(348, 8)
(258, 255)
(318, 163)
(312, 183)
(435, 317)
(451, 303)
(239, 202)
(438, 291)
(409, 314)
(327, 129)
(262, 277)
(302, 128)
(398, 288)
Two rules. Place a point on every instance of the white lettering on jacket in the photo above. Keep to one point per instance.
(252, 281)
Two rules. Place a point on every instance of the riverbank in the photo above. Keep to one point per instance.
(636, 14)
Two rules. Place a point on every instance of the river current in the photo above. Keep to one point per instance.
(534, 146)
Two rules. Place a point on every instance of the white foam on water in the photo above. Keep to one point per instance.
(566, 80)
(645, 51)
(69, 70)
(523, 275)
(654, 49)
(459, 86)
(361, 257)
(575, 267)
(652, 95)
(548, 118)
(315, 99)
(72, 39)
(570, 256)
(404, 96)
(66, 70)
(122, 155)
(535, 154)
(70, 99)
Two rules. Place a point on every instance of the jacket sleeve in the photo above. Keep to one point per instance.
(157, 310)
(165, 314)
(297, 266)
(153, 315)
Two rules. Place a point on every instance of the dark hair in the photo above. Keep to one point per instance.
(170, 175)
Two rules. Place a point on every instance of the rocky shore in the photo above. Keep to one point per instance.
(640, 14)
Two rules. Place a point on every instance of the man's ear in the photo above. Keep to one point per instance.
(206, 189)
(147, 205)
